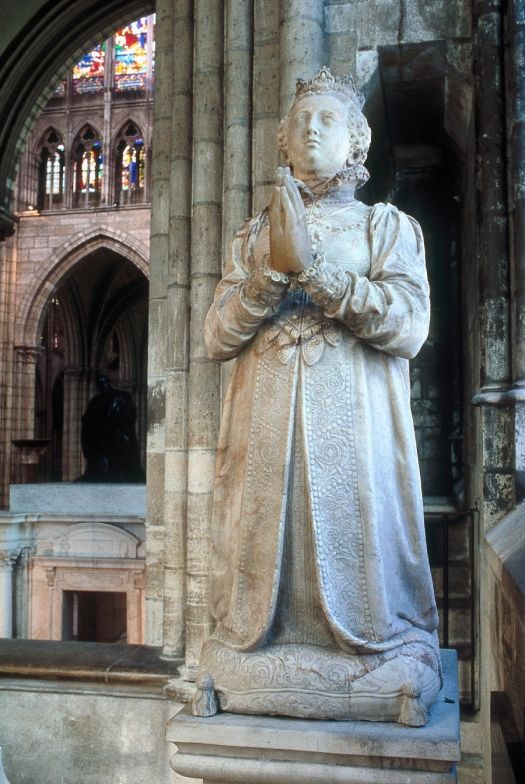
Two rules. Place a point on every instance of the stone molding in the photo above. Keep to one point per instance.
(96, 540)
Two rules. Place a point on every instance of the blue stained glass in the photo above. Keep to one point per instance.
(88, 73)
(131, 56)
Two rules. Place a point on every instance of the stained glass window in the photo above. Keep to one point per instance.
(131, 55)
(129, 166)
(51, 178)
(124, 62)
(88, 168)
(88, 74)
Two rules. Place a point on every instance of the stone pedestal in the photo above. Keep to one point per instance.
(233, 749)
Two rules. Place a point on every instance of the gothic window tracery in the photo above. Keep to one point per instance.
(51, 173)
(68, 174)
(129, 166)
(88, 168)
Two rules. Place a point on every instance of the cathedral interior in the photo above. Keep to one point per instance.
(136, 138)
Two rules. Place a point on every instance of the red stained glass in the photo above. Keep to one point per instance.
(131, 55)
(88, 73)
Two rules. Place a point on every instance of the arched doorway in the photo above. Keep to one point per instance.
(94, 321)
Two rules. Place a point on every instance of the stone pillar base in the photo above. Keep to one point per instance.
(233, 749)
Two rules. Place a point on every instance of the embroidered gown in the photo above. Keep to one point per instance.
(317, 456)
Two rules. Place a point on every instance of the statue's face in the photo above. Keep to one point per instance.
(318, 143)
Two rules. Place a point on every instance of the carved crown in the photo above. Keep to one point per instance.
(325, 82)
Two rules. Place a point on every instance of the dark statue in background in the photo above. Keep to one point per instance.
(109, 441)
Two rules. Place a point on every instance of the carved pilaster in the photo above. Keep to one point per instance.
(75, 403)
(6, 594)
(26, 358)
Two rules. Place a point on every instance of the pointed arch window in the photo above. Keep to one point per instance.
(51, 172)
(88, 168)
(129, 166)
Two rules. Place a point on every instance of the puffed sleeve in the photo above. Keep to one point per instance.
(390, 310)
(247, 295)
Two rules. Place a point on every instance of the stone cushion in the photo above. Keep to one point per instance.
(322, 683)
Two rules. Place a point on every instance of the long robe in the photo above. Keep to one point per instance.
(330, 346)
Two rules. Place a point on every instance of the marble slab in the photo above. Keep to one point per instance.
(79, 499)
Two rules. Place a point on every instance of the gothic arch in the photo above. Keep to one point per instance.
(122, 127)
(127, 157)
(40, 140)
(80, 126)
(33, 307)
(50, 163)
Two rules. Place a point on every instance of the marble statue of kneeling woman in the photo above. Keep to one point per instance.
(321, 588)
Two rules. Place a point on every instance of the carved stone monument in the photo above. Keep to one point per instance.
(321, 588)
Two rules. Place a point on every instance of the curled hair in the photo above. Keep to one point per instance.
(359, 136)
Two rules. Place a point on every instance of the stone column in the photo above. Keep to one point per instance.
(494, 439)
(108, 180)
(25, 371)
(6, 596)
(516, 105)
(23, 414)
(516, 133)
(157, 340)
(288, 44)
(7, 398)
(68, 142)
(168, 328)
(237, 178)
(204, 376)
(238, 64)
(138, 394)
(302, 49)
(265, 99)
(496, 423)
(493, 251)
(75, 403)
(22, 594)
(177, 322)
(150, 84)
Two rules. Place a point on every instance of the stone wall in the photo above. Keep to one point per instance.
(86, 730)
(503, 644)
(47, 248)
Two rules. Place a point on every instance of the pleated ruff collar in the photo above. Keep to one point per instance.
(340, 187)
